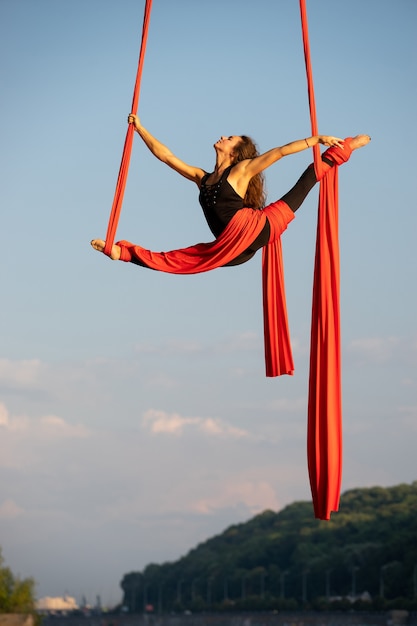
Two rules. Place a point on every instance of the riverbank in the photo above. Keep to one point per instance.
(391, 618)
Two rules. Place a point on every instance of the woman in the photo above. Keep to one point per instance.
(237, 183)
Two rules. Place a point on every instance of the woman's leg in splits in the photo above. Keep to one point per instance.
(296, 196)
(293, 198)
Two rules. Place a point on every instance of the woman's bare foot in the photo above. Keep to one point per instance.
(98, 244)
(359, 141)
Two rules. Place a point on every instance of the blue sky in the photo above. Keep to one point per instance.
(135, 417)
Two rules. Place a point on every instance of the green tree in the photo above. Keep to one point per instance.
(16, 595)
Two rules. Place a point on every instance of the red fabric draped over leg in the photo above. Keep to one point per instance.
(201, 257)
(236, 237)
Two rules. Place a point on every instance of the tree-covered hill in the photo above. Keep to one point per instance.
(289, 559)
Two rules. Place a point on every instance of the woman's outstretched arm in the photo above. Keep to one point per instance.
(164, 154)
(261, 162)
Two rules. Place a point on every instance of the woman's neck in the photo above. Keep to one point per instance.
(222, 164)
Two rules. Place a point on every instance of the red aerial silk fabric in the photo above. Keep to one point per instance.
(277, 344)
(324, 429)
(127, 149)
(241, 231)
(324, 434)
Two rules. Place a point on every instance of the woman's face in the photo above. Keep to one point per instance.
(227, 145)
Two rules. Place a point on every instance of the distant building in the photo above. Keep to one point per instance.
(65, 604)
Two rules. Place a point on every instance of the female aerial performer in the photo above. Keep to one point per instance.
(236, 185)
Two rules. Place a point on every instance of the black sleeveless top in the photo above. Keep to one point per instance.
(220, 202)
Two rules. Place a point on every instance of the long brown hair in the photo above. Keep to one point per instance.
(255, 195)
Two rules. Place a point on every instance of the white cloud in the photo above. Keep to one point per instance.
(49, 426)
(300, 347)
(255, 495)
(173, 347)
(288, 405)
(20, 373)
(11, 424)
(242, 342)
(4, 415)
(23, 439)
(10, 510)
(160, 422)
(57, 428)
(375, 349)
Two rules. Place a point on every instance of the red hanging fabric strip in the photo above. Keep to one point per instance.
(310, 87)
(127, 149)
(324, 431)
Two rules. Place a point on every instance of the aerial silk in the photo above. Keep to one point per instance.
(324, 429)
(127, 148)
(324, 432)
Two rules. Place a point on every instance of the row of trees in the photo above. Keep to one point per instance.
(270, 588)
(289, 560)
